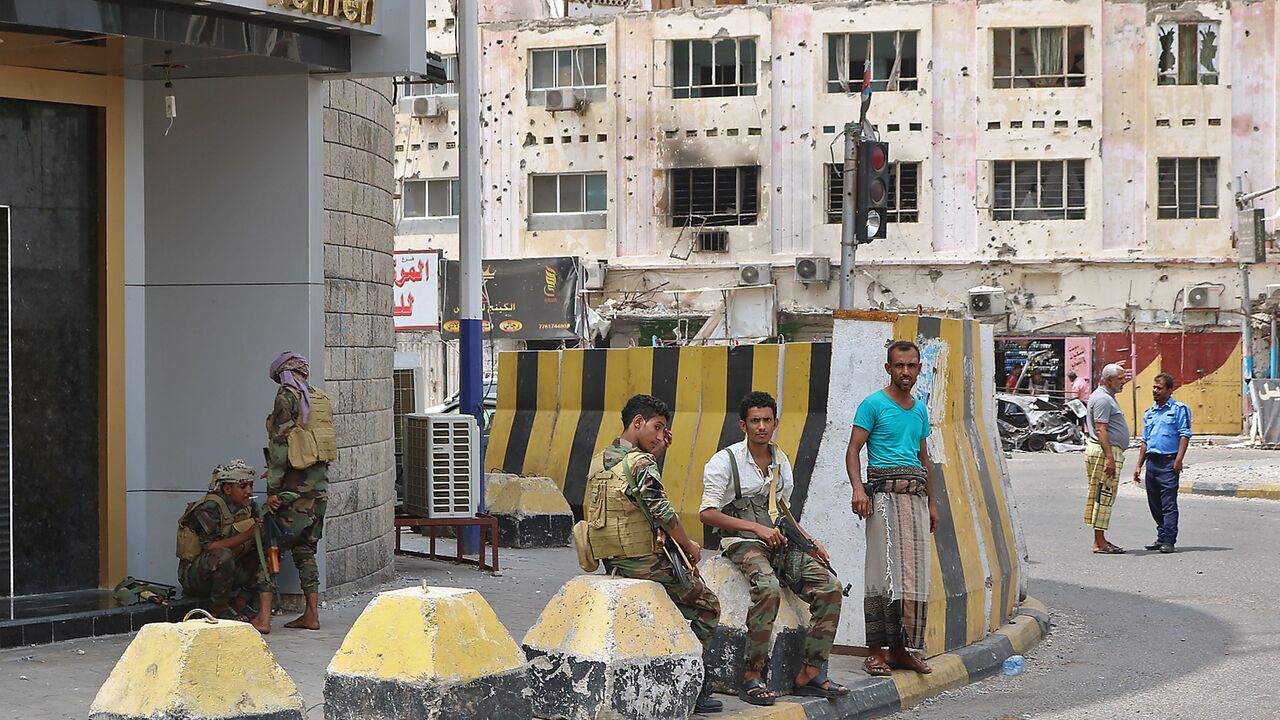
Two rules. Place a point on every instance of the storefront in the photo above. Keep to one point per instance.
(163, 210)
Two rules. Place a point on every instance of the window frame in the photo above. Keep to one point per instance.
(1014, 213)
(1175, 211)
(1017, 80)
(417, 88)
(575, 53)
(744, 206)
(454, 195)
(604, 179)
(905, 84)
(1172, 76)
(895, 213)
(694, 90)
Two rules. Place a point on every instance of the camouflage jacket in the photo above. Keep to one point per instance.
(648, 480)
(284, 415)
(205, 519)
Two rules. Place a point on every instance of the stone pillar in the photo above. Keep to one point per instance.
(359, 340)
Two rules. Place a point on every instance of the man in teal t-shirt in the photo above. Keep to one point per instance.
(898, 504)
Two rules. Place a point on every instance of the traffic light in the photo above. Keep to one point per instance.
(872, 206)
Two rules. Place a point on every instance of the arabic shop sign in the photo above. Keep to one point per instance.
(525, 299)
(359, 12)
(1268, 394)
(416, 290)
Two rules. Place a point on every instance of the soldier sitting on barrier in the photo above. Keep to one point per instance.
(218, 551)
(746, 487)
(625, 504)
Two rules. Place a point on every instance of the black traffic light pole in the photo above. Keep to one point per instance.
(854, 211)
(848, 237)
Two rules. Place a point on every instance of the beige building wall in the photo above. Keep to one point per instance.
(1120, 263)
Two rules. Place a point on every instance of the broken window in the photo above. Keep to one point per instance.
(1188, 188)
(431, 198)
(1188, 54)
(714, 196)
(578, 67)
(1038, 190)
(568, 193)
(904, 192)
(416, 86)
(893, 61)
(1037, 57)
(724, 67)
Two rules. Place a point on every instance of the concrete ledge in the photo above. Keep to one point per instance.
(876, 697)
(531, 511)
(1264, 491)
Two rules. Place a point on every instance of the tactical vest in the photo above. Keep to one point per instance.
(312, 441)
(188, 546)
(616, 525)
(753, 508)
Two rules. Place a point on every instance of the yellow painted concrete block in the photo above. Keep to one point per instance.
(948, 672)
(594, 616)
(731, 586)
(197, 669)
(514, 495)
(438, 634)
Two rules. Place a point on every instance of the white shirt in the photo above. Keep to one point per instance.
(717, 476)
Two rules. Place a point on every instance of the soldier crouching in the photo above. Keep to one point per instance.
(218, 551)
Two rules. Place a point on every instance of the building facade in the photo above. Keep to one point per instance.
(1079, 160)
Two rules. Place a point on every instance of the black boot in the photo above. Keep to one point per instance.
(706, 703)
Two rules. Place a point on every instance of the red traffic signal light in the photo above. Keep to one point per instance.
(878, 157)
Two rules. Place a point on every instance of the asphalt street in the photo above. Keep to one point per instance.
(1195, 634)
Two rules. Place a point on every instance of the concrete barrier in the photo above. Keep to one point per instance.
(427, 654)
(613, 648)
(531, 511)
(197, 670)
(727, 654)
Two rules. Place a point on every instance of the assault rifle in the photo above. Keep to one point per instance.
(798, 540)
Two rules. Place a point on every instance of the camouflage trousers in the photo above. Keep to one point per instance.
(697, 604)
(220, 575)
(768, 573)
(303, 522)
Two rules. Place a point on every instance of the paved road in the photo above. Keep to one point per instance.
(1190, 635)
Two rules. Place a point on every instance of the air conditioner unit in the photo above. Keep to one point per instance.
(813, 270)
(593, 274)
(1202, 297)
(1272, 299)
(428, 106)
(755, 274)
(442, 465)
(565, 99)
(986, 301)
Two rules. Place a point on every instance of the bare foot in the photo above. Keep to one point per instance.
(262, 626)
(304, 622)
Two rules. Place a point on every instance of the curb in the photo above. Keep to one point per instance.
(1264, 491)
(876, 697)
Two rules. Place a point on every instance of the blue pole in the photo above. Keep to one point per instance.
(470, 245)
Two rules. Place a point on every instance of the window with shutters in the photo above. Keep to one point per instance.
(723, 67)
(1188, 54)
(904, 192)
(893, 61)
(1038, 57)
(1188, 188)
(1038, 190)
(714, 196)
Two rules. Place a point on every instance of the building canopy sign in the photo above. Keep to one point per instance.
(524, 299)
(416, 291)
(359, 12)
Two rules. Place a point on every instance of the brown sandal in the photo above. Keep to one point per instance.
(876, 667)
(912, 663)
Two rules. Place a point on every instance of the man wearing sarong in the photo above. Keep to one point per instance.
(897, 501)
(1104, 456)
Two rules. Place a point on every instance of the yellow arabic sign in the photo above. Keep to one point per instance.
(354, 11)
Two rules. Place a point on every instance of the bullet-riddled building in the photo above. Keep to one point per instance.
(1065, 170)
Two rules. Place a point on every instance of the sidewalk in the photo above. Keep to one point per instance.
(1239, 472)
(60, 680)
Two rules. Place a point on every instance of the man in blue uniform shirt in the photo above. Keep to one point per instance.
(1166, 432)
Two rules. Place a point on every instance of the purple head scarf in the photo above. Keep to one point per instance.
(291, 370)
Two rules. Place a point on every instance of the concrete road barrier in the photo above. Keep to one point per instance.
(727, 655)
(613, 648)
(531, 511)
(200, 669)
(427, 654)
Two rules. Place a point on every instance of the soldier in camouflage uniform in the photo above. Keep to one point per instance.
(736, 500)
(217, 548)
(300, 433)
(624, 499)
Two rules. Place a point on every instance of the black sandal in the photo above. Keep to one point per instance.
(756, 692)
(814, 688)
